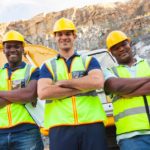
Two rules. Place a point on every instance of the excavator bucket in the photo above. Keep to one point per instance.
(34, 54)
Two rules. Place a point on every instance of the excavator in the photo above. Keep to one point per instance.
(37, 54)
(34, 54)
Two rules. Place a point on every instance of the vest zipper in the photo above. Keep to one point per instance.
(74, 105)
(9, 105)
(73, 97)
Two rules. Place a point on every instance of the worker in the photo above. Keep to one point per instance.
(18, 86)
(74, 114)
(129, 84)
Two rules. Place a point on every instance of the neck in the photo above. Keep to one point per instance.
(66, 54)
(130, 62)
(14, 65)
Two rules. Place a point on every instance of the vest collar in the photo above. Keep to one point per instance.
(21, 66)
(74, 55)
(138, 60)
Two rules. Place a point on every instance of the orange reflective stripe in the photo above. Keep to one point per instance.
(87, 65)
(75, 110)
(72, 63)
(9, 115)
(9, 106)
(69, 75)
(73, 98)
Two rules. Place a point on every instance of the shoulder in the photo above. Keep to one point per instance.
(48, 62)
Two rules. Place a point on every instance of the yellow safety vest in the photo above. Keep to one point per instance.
(131, 114)
(14, 114)
(76, 110)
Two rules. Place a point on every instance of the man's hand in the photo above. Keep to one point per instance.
(3, 102)
(34, 103)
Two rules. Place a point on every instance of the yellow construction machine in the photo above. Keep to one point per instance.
(34, 54)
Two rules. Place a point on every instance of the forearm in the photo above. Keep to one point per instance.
(94, 80)
(83, 84)
(3, 102)
(143, 90)
(19, 96)
(56, 92)
(124, 86)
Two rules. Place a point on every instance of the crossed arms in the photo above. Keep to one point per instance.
(21, 96)
(66, 88)
(128, 87)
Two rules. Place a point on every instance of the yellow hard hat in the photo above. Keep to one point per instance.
(115, 37)
(13, 35)
(64, 24)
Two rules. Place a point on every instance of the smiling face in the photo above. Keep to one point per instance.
(122, 52)
(13, 51)
(65, 40)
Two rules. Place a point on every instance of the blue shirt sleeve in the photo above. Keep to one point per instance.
(94, 64)
(108, 74)
(35, 75)
(45, 73)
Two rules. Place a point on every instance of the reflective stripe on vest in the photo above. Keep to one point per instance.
(19, 78)
(131, 113)
(27, 74)
(80, 109)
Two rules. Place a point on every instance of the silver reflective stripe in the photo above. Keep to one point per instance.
(84, 61)
(115, 98)
(53, 64)
(129, 112)
(114, 69)
(148, 63)
(91, 93)
(27, 74)
(48, 101)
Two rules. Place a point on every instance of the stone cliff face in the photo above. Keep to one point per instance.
(93, 23)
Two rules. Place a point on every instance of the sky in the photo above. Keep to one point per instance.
(13, 10)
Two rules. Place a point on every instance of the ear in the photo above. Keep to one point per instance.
(75, 36)
(23, 51)
(4, 51)
(3, 48)
(112, 53)
(130, 43)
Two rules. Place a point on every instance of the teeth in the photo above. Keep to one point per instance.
(13, 55)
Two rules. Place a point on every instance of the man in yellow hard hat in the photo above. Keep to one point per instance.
(74, 114)
(129, 83)
(18, 86)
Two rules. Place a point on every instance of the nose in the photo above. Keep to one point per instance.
(64, 36)
(12, 49)
(120, 48)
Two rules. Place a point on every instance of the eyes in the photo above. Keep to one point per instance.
(118, 46)
(60, 34)
(15, 46)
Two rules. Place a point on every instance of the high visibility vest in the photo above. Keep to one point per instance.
(80, 109)
(14, 114)
(131, 114)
